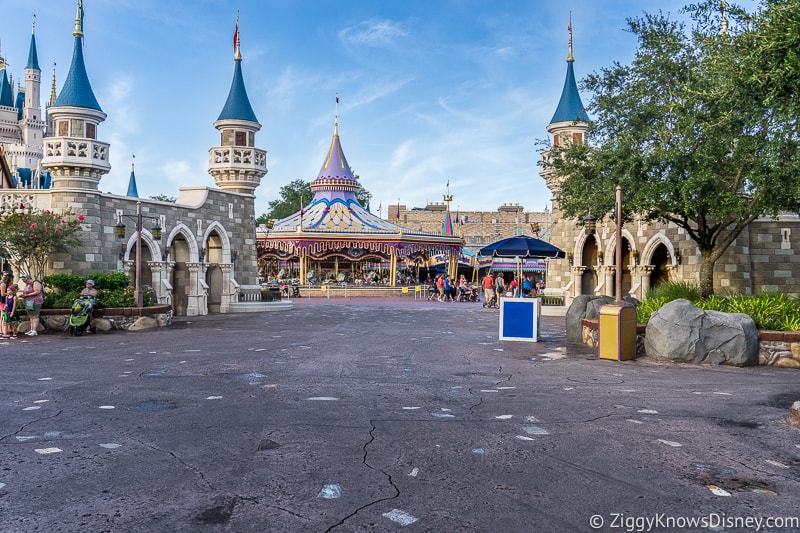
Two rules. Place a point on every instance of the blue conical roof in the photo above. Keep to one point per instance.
(6, 98)
(20, 105)
(133, 192)
(33, 58)
(77, 90)
(570, 108)
(238, 107)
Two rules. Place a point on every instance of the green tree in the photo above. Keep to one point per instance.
(28, 236)
(679, 133)
(289, 200)
(164, 198)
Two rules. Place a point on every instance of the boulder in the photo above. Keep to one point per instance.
(794, 414)
(583, 306)
(681, 332)
(102, 324)
(55, 322)
(143, 323)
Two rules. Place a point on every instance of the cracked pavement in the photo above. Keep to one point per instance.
(380, 415)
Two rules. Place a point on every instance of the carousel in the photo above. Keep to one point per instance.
(334, 239)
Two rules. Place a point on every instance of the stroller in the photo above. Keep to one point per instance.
(80, 316)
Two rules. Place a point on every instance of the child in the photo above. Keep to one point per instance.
(10, 315)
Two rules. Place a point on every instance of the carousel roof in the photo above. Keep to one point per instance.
(336, 217)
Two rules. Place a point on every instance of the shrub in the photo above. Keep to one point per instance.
(113, 290)
(768, 310)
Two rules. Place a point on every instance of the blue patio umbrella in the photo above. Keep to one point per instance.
(522, 246)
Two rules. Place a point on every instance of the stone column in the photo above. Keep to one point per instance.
(644, 272)
(577, 279)
(156, 269)
(608, 277)
(194, 306)
(166, 295)
(228, 292)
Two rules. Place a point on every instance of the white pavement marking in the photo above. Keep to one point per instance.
(535, 430)
(401, 517)
(506, 388)
(717, 491)
(330, 491)
(45, 451)
(478, 451)
(647, 412)
(670, 443)
(569, 388)
(41, 401)
(107, 407)
(523, 437)
(323, 398)
(214, 398)
(489, 390)
(22, 438)
(724, 393)
(410, 408)
(2, 485)
(442, 415)
(44, 379)
(414, 472)
(504, 417)
(498, 349)
(776, 463)
(35, 407)
(635, 421)
(110, 445)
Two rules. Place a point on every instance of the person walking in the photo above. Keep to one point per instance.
(499, 285)
(488, 290)
(32, 293)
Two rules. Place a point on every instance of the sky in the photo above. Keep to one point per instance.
(431, 92)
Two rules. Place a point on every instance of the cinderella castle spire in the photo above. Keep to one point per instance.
(132, 190)
(73, 155)
(237, 165)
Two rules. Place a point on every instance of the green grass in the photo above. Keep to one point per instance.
(768, 310)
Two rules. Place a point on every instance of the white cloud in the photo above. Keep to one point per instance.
(372, 32)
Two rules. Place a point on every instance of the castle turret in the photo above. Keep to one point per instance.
(73, 155)
(32, 119)
(569, 124)
(237, 165)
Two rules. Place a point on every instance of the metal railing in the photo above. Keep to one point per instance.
(259, 295)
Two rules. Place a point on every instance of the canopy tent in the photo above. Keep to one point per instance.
(522, 246)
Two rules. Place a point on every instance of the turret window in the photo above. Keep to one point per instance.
(227, 137)
(76, 127)
(241, 138)
(91, 131)
(577, 138)
(63, 128)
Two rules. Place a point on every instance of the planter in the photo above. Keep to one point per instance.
(108, 318)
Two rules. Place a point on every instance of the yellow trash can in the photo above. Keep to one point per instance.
(616, 332)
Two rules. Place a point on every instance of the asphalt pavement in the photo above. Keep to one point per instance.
(383, 415)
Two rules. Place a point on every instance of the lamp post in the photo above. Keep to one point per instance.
(120, 232)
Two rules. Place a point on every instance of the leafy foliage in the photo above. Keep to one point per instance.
(712, 148)
(164, 198)
(113, 290)
(768, 310)
(28, 236)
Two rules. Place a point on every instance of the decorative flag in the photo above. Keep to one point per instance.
(236, 37)
(447, 225)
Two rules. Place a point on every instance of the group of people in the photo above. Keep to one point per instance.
(494, 286)
(448, 290)
(27, 295)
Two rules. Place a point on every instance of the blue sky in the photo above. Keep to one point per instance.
(430, 91)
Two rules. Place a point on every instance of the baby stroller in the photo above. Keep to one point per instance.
(80, 316)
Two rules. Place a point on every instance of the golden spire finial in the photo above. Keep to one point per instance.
(79, 20)
(53, 95)
(570, 57)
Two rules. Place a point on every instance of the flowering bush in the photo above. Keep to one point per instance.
(28, 236)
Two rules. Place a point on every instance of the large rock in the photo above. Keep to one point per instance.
(794, 414)
(583, 306)
(681, 332)
(143, 323)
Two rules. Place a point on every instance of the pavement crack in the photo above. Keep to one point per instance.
(22, 428)
(179, 460)
(366, 463)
